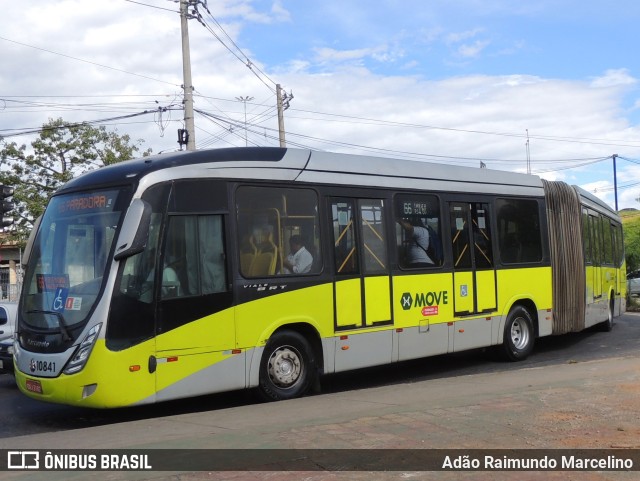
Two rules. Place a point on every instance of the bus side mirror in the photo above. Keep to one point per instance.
(135, 230)
(28, 249)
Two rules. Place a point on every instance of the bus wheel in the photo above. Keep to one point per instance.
(519, 336)
(287, 367)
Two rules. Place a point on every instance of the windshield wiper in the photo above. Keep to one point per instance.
(61, 322)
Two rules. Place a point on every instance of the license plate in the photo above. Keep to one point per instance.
(33, 386)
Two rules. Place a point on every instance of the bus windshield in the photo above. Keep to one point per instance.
(69, 259)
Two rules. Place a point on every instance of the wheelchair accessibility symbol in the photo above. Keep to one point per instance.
(60, 299)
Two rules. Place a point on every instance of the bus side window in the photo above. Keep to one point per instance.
(269, 218)
(519, 237)
(194, 259)
(344, 240)
(211, 240)
(418, 231)
(180, 249)
(137, 281)
(373, 236)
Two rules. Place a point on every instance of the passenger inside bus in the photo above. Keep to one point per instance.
(416, 254)
(299, 260)
(170, 281)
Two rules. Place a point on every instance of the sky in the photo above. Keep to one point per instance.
(550, 86)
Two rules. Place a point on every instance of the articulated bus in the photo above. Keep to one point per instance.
(175, 275)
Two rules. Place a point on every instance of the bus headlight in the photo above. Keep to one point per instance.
(81, 355)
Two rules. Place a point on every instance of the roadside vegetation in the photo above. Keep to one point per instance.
(631, 228)
(61, 152)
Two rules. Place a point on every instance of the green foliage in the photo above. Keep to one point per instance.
(631, 228)
(62, 151)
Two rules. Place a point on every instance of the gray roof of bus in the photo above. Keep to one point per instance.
(301, 165)
(594, 201)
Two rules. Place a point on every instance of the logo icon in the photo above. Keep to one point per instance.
(23, 460)
(406, 301)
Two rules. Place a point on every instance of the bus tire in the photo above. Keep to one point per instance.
(287, 368)
(519, 335)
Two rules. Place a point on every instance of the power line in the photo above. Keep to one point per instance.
(239, 53)
(373, 121)
(152, 6)
(569, 167)
(268, 113)
(28, 131)
(473, 160)
(633, 161)
(228, 130)
(406, 154)
(29, 106)
(88, 61)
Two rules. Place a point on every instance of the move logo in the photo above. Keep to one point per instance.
(423, 299)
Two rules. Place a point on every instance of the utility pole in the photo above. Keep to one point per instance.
(528, 154)
(186, 76)
(615, 180)
(244, 100)
(280, 115)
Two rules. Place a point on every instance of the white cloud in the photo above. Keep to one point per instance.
(456, 119)
(457, 37)
(326, 55)
(280, 12)
(474, 49)
(463, 46)
(245, 11)
(603, 189)
(614, 78)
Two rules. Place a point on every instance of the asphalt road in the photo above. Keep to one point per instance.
(20, 416)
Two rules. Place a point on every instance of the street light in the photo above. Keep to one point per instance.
(244, 100)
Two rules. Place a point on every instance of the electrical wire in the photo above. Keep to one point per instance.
(557, 169)
(88, 61)
(19, 132)
(244, 58)
(152, 6)
(373, 121)
(397, 153)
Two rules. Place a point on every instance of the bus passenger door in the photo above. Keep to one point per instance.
(592, 258)
(362, 286)
(194, 323)
(474, 275)
(596, 227)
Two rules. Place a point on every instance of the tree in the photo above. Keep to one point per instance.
(631, 228)
(62, 151)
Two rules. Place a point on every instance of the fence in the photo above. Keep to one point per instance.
(9, 287)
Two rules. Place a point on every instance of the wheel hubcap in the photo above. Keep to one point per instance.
(285, 367)
(519, 334)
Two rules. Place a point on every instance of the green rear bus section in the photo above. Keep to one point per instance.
(209, 305)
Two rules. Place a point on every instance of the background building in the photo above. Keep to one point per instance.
(10, 270)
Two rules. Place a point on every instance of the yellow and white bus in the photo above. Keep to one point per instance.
(199, 272)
